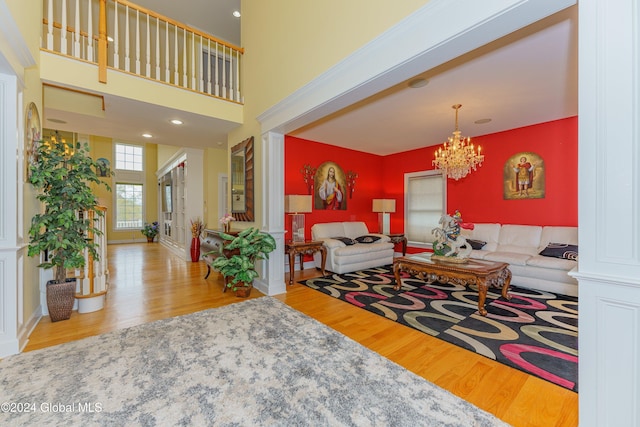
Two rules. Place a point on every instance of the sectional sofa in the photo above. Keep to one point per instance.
(521, 246)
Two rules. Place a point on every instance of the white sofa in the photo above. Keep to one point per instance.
(520, 247)
(343, 258)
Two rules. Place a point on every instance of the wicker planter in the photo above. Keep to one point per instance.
(60, 299)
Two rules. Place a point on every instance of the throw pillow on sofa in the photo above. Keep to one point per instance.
(346, 240)
(476, 244)
(561, 250)
(367, 239)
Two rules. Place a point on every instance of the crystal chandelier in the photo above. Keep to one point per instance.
(457, 157)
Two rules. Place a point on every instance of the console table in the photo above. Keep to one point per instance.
(303, 248)
(213, 241)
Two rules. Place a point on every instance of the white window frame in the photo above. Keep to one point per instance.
(427, 244)
(124, 176)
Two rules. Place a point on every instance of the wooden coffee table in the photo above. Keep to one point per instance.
(480, 272)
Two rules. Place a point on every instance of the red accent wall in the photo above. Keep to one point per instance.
(299, 152)
(479, 196)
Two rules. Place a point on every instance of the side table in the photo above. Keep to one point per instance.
(399, 238)
(303, 248)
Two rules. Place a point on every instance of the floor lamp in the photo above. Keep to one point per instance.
(384, 207)
(296, 205)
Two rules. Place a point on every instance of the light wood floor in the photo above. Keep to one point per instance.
(147, 282)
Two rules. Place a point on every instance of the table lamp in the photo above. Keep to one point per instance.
(297, 205)
(384, 207)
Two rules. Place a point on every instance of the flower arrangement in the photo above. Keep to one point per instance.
(226, 221)
(150, 230)
(197, 227)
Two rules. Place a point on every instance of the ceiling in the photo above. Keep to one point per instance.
(525, 78)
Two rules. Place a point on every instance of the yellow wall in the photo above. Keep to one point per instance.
(284, 51)
(103, 147)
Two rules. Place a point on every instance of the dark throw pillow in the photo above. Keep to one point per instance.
(561, 250)
(346, 240)
(476, 244)
(367, 239)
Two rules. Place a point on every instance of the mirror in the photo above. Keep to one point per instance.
(166, 193)
(242, 180)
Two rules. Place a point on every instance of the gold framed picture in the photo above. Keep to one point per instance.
(32, 136)
(524, 177)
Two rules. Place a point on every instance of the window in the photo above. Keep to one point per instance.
(425, 204)
(129, 206)
(129, 186)
(129, 157)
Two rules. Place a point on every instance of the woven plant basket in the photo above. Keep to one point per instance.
(60, 299)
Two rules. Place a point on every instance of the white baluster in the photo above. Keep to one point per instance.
(76, 34)
(176, 75)
(148, 52)
(208, 66)
(90, 56)
(224, 71)
(185, 82)
(116, 38)
(238, 76)
(158, 76)
(231, 94)
(63, 30)
(166, 52)
(138, 42)
(194, 83)
(217, 80)
(50, 25)
(127, 58)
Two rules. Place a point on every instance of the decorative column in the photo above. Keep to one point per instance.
(609, 212)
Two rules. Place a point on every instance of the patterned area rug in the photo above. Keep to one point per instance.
(536, 332)
(253, 363)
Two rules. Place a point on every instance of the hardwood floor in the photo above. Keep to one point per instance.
(147, 283)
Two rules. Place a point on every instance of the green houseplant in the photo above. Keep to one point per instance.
(150, 231)
(63, 173)
(238, 256)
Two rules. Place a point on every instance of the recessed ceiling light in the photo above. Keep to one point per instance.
(482, 121)
(236, 13)
(147, 135)
(176, 122)
(420, 82)
(56, 121)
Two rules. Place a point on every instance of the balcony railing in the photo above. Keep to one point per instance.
(136, 40)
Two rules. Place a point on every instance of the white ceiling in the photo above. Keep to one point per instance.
(525, 78)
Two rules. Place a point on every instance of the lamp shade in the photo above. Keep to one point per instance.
(384, 205)
(298, 203)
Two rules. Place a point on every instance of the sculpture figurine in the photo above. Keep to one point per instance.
(450, 245)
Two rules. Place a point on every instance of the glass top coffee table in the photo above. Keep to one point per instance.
(482, 273)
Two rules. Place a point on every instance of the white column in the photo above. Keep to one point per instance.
(609, 212)
(271, 281)
(11, 316)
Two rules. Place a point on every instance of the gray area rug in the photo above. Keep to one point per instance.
(252, 363)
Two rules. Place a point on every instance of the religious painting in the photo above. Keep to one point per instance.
(331, 187)
(32, 136)
(524, 177)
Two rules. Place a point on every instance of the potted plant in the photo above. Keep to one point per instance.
(150, 231)
(239, 268)
(63, 173)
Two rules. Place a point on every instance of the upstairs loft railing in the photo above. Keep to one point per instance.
(136, 40)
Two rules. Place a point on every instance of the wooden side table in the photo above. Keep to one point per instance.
(399, 238)
(303, 248)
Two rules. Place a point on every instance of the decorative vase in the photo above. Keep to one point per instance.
(227, 227)
(60, 299)
(150, 239)
(243, 291)
(195, 249)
